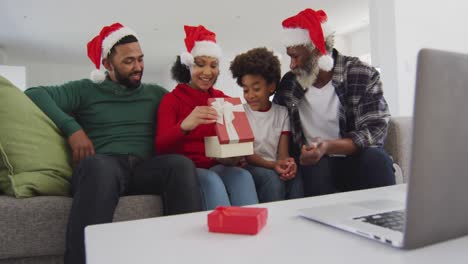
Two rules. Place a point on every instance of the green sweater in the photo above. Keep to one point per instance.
(117, 120)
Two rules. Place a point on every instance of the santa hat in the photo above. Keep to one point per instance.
(99, 47)
(199, 41)
(309, 27)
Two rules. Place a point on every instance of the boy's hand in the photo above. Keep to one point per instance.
(281, 167)
(286, 168)
(291, 170)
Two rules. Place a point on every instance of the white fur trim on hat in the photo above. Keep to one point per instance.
(295, 36)
(325, 63)
(206, 48)
(97, 76)
(186, 59)
(114, 37)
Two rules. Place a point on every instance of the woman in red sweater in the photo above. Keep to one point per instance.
(184, 119)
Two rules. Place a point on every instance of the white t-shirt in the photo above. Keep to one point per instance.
(267, 128)
(319, 113)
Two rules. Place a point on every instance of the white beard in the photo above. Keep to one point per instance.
(307, 79)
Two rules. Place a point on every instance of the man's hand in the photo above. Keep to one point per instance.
(311, 155)
(81, 146)
(199, 115)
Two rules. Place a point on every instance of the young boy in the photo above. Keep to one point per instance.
(258, 72)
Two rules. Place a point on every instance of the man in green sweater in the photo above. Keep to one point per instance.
(109, 123)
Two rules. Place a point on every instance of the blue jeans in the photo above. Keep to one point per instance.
(271, 188)
(225, 185)
(369, 168)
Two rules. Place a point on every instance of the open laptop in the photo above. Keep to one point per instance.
(437, 200)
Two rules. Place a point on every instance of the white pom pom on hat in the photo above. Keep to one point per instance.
(100, 46)
(97, 76)
(186, 58)
(325, 62)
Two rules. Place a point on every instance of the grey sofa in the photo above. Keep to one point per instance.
(32, 230)
(398, 145)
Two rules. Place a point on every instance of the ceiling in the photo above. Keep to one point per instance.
(56, 31)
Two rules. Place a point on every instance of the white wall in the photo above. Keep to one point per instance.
(359, 42)
(354, 43)
(15, 74)
(54, 74)
(399, 29)
(342, 43)
(40, 73)
(383, 49)
(426, 24)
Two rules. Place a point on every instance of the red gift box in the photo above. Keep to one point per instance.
(232, 125)
(237, 220)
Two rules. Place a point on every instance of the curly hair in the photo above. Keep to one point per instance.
(180, 72)
(258, 61)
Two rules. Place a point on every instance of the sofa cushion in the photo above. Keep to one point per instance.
(34, 158)
(398, 143)
(37, 226)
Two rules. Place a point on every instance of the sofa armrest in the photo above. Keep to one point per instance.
(398, 142)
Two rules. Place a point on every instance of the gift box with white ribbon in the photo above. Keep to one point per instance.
(234, 137)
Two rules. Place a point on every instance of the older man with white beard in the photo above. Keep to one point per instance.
(339, 117)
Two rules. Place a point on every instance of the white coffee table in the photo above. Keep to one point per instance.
(287, 238)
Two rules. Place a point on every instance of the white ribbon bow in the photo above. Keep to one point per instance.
(226, 111)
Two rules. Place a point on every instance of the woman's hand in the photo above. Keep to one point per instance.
(200, 115)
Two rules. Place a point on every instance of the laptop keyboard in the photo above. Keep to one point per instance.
(393, 220)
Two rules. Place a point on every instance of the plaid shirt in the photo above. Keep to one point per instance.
(363, 111)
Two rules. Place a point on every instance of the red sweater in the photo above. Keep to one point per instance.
(173, 109)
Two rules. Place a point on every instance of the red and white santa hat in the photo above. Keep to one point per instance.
(309, 27)
(99, 47)
(199, 41)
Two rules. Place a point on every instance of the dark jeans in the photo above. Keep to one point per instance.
(100, 180)
(369, 168)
